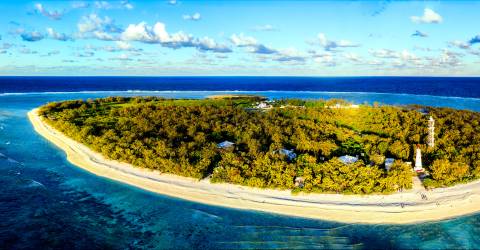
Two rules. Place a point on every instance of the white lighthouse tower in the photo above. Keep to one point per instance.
(418, 160)
(431, 133)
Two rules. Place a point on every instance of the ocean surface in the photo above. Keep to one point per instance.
(45, 202)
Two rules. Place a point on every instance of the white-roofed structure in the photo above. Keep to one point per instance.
(225, 144)
(347, 159)
(289, 153)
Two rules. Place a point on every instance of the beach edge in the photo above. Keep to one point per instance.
(447, 203)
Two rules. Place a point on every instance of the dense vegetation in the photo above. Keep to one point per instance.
(181, 136)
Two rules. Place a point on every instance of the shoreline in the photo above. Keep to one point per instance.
(399, 208)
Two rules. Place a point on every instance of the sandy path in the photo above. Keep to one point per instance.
(399, 208)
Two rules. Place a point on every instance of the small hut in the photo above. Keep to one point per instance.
(225, 144)
(289, 153)
(347, 159)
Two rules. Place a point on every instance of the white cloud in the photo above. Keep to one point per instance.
(429, 16)
(460, 44)
(331, 45)
(193, 17)
(93, 22)
(141, 32)
(102, 5)
(420, 34)
(101, 35)
(124, 45)
(125, 4)
(266, 27)
(80, 5)
(325, 58)
(383, 53)
(243, 41)
(173, 2)
(252, 45)
(208, 44)
(58, 36)
(54, 15)
(289, 55)
(351, 57)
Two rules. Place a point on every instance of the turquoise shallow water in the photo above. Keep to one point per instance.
(47, 202)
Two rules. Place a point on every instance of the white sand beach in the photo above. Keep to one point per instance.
(399, 208)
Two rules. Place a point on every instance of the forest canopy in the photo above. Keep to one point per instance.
(182, 137)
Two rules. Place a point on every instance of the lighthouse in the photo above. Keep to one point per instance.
(418, 160)
(431, 133)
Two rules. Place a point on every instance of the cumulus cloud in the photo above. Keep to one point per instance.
(332, 45)
(58, 36)
(325, 58)
(142, 32)
(262, 49)
(122, 57)
(125, 4)
(420, 34)
(353, 57)
(208, 44)
(85, 54)
(124, 45)
(429, 16)
(475, 39)
(243, 41)
(383, 53)
(446, 59)
(252, 45)
(54, 15)
(93, 22)
(193, 17)
(27, 51)
(32, 36)
(173, 2)
(5, 47)
(102, 5)
(266, 27)
(289, 55)
(80, 5)
(460, 44)
(53, 52)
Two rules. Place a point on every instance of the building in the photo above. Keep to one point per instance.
(225, 144)
(289, 153)
(431, 133)
(389, 163)
(264, 105)
(418, 160)
(347, 159)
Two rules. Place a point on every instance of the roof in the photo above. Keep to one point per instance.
(389, 160)
(347, 159)
(225, 144)
(289, 153)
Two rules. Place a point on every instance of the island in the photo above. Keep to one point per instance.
(324, 159)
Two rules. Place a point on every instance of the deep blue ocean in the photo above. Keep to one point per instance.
(45, 202)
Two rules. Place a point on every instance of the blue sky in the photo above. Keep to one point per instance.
(312, 38)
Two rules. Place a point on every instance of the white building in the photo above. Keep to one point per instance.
(225, 144)
(263, 105)
(347, 159)
(289, 153)
(418, 160)
(431, 133)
